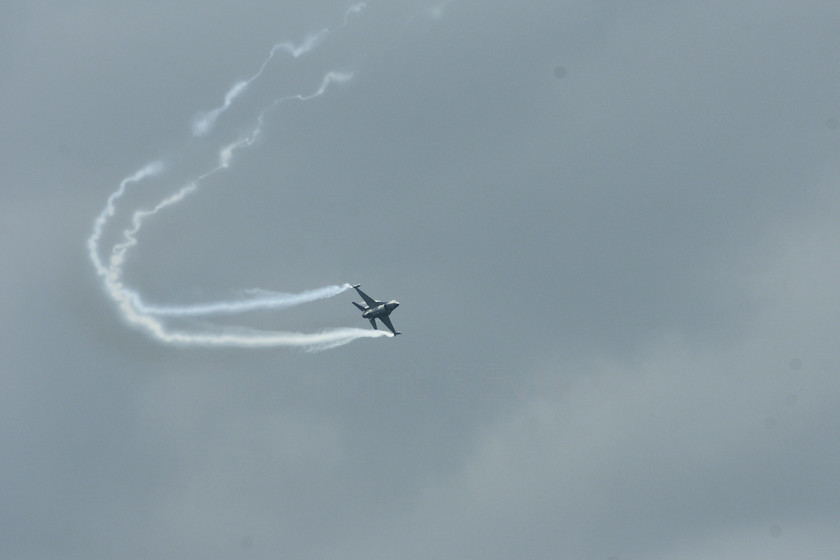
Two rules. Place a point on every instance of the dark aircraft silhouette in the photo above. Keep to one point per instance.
(374, 310)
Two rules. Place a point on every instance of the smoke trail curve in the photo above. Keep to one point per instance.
(204, 121)
(149, 317)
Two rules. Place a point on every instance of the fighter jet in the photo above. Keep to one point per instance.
(374, 310)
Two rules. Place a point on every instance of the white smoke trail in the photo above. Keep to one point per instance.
(228, 336)
(148, 170)
(148, 317)
(330, 77)
(225, 157)
(263, 299)
(251, 338)
(204, 121)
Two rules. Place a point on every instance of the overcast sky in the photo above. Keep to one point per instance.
(612, 227)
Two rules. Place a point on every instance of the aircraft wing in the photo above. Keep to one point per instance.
(368, 300)
(387, 320)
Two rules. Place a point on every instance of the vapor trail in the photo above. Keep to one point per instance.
(227, 336)
(150, 317)
(263, 299)
(225, 156)
(148, 170)
(204, 121)
(252, 338)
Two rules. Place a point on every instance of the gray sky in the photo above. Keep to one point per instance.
(618, 281)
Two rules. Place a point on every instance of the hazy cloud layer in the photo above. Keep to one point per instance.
(612, 229)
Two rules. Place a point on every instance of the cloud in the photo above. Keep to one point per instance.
(694, 448)
(619, 288)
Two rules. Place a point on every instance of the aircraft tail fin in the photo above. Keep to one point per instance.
(359, 306)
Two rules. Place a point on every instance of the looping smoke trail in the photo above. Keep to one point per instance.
(137, 313)
(148, 170)
(204, 121)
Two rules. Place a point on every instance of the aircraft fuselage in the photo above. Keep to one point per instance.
(383, 309)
